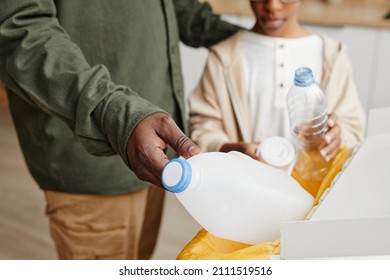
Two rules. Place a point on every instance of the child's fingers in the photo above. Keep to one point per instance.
(332, 119)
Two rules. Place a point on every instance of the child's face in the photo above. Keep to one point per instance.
(276, 18)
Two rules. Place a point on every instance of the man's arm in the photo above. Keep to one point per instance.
(40, 63)
(198, 26)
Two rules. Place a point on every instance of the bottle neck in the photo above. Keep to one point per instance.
(303, 77)
(177, 175)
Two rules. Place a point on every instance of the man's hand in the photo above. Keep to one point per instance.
(147, 144)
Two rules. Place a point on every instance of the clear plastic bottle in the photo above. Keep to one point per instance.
(307, 110)
(236, 197)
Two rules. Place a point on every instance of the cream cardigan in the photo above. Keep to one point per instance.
(219, 111)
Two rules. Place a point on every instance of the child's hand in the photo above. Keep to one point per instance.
(250, 149)
(332, 139)
(245, 148)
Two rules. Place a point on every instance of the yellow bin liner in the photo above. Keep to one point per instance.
(206, 246)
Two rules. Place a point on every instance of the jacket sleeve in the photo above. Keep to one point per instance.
(207, 124)
(343, 99)
(40, 63)
(198, 26)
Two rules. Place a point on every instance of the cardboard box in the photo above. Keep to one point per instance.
(352, 219)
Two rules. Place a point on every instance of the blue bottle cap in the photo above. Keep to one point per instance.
(303, 77)
(176, 175)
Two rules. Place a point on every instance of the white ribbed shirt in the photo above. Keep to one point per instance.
(269, 65)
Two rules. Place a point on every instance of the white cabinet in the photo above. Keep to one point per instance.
(381, 78)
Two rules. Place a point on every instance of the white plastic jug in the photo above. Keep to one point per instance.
(236, 197)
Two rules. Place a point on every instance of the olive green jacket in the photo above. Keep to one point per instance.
(81, 74)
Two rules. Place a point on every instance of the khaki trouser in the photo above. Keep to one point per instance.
(105, 227)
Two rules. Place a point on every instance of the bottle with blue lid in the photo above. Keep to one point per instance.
(307, 109)
(236, 197)
(308, 115)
